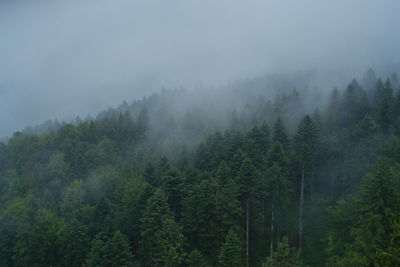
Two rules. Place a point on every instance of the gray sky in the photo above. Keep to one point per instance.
(59, 59)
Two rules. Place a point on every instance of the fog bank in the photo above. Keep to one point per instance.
(59, 59)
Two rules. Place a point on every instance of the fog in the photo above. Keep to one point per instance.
(59, 59)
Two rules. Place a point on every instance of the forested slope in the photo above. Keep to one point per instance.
(241, 176)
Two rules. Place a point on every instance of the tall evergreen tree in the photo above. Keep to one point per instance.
(156, 208)
(276, 184)
(369, 80)
(280, 134)
(110, 249)
(143, 121)
(161, 239)
(231, 251)
(229, 210)
(199, 218)
(284, 256)
(248, 183)
(332, 111)
(170, 244)
(384, 98)
(305, 145)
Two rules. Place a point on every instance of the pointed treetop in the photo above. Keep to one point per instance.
(280, 135)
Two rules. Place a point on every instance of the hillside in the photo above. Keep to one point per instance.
(264, 172)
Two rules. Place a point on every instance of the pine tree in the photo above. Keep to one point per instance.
(199, 218)
(248, 183)
(333, 110)
(231, 251)
(228, 208)
(143, 121)
(369, 79)
(384, 98)
(283, 256)
(257, 143)
(196, 259)
(276, 183)
(365, 226)
(366, 127)
(110, 250)
(150, 223)
(170, 244)
(394, 80)
(305, 151)
(280, 135)
(161, 239)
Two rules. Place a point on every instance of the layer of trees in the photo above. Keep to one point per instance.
(273, 184)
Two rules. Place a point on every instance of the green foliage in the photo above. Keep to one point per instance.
(41, 243)
(170, 242)
(231, 252)
(183, 183)
(199, 219)
(110, 249)
(162, 241)
(280, 135)
(305, 141)
(196, 259)
(366, 236)
(283, 256)
(247, 178)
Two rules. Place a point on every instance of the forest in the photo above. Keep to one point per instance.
(268, 171)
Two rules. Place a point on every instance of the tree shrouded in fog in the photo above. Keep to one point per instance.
(199, 133)
(131, 188)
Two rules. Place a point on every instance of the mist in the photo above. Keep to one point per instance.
(60, 59)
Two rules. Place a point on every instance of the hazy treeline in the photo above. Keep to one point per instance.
(258, 174)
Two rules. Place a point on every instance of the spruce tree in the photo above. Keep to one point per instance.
(169, 251)
(277, 184)
(231, 251)
(228, 208)
(162, 240)
(156, 209)
(280, 135)
(305, 151)
(248, 185)
(384, 95)
(283, 256)
(109, 250)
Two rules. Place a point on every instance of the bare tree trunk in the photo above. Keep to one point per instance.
(278, 230)
(247, 231)
(264, 216)
(301, 208)
(272, 225)
(333, 182)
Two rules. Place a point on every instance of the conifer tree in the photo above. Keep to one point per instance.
(151, 222)
(384, 95)
(231, 251)
(280, 134)
(369, 79)
(283, 256)
(110, 250)
(333, 110)
(228, 206)
(305, 151)
(248, 183)
(196, 259)
(162, 241)
(199, 218)
(276, 184)
(143, 121)
(170, 244)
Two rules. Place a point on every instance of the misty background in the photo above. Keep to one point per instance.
(60, 59)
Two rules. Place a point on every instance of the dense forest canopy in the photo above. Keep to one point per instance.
(265, 172)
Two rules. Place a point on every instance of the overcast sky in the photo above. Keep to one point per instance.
(59, 59)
